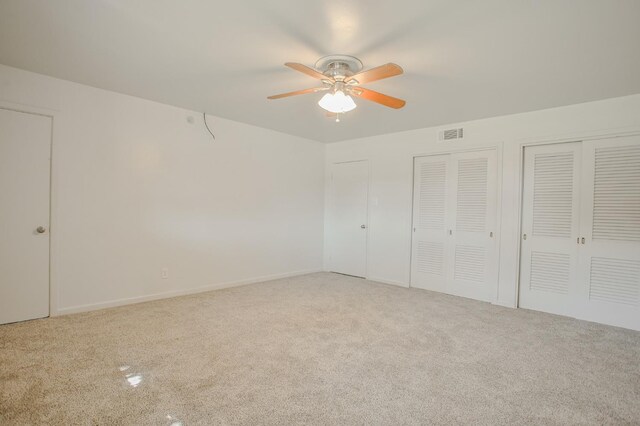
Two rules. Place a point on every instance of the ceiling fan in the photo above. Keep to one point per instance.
(341, 76)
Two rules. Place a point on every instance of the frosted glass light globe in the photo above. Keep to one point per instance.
(338, 102)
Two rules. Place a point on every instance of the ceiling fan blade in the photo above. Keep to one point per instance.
(298, 92)
(371, 95)
(377, 73)
(307, 70)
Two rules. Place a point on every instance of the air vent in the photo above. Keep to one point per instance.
(451, 134)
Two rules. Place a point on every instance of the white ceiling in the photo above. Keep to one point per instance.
(463, 60)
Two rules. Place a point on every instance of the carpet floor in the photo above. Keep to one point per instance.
(317, 349)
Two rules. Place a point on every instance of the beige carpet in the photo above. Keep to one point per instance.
(317, 349)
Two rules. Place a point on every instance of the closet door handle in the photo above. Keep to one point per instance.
(582, 240)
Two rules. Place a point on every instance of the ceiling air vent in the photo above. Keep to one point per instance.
(451, 134)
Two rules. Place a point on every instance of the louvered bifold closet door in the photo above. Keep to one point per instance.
(610, 255)
(430, 221)
(550, 228)
(472, 254)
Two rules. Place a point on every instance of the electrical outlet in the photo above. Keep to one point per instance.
(164, 273)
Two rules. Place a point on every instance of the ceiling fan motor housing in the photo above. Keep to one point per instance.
(339, 67)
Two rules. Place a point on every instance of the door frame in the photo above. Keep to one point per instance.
(367, 215)
(578, 137)
(444, 151)
(8, 106)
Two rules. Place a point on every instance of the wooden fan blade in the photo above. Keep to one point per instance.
(298, 92)
(377, 73)
(308, 71)
(371, 95)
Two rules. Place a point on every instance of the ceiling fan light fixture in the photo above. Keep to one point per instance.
(342, 77)
(337, 102)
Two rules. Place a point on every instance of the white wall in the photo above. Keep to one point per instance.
(391, 168)
(136, 188)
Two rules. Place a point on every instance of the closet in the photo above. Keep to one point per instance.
(454, 247)
(580, 241)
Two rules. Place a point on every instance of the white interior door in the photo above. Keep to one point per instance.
(25, 147)
(472, 269)
(550, 228)
(430, 222)
(610, 225)
(348, 232)
(454, 223)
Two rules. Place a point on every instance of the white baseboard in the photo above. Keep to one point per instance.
(380, 280)
(503, 303)
(175, 293)
(386, 281)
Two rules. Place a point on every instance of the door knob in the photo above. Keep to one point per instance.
(40, 229)
(363, 226)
